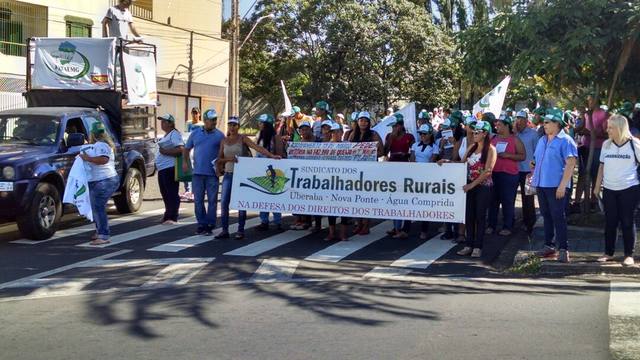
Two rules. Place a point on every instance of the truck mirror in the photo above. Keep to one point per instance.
(75, 139)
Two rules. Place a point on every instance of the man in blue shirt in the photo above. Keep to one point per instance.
(554, 161)
(205, 142)
(529, 138)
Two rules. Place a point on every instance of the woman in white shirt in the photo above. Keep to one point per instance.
(424, 151)
(170, 146)
(99, 160)
(618, 176)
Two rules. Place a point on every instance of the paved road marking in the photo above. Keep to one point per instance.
(191, 241)
(272, 242)
(419, 258)
(339, 251)
(177, 274)
(624, 320)
(29, 279)
(132, 235)
(272, 270)
(142, 262)
(90, 227)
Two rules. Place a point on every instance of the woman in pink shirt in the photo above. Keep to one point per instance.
(505, 175)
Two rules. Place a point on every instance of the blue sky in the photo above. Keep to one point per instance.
(245, 6)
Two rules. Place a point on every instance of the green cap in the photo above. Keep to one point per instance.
(483, 125)
(167, 117)
(295, 109)
(265, 118)
(626, 110)
(540, 110)
(322, 105)
(424, 114)
(97, 128)
(457, 117)
(554, 114)
(399, 119)
(210, 114)
(507, 120)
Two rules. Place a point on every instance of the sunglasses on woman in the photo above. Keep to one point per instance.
(478, 132)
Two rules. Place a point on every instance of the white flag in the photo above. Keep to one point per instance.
(493, 101)
(409, 113)
(287, 102)
(77, 190)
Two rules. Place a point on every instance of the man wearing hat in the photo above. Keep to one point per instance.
(170, 146)
(205, 143)
(322, 113)
(554, 160)
(529, 139)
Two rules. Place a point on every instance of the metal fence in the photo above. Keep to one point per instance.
(18, 22)
(9, 101)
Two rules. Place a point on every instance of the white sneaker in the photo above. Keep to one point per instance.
(476, 253)
(604, 258)
(465, 251)
(628, 261)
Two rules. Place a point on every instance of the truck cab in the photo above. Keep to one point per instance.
(37, 148)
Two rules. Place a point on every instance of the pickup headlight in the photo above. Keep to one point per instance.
(8, 172)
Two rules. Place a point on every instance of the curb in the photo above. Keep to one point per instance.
(582, 263)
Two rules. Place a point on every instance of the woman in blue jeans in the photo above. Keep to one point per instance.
(99, 160)
(232, 147)
(553, 164)
(267, 139)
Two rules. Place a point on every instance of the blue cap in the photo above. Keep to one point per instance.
(210, 114)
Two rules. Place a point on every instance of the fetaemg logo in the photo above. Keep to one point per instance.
(68, 62)
(272, 183)
(140, 85)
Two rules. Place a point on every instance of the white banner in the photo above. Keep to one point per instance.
(346, 151)
(76, 191)
(287, 103)
(361, 189)
(140, 72)
(409, 113)
(493, 101)
(73, 63)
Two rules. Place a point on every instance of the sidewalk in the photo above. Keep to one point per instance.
(586, 244)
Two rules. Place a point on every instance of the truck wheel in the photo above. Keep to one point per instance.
(43, 216)
(130, 198)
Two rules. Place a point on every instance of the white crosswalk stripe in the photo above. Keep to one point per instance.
(339, 251)
(272, 270)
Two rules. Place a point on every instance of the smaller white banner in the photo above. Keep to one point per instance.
(361, 189)
(74, 63)
(410, 125)
(140, 72)
(347, 151)
(76, 191)
(493, 101)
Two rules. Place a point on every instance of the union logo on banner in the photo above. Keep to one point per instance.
(272, 183)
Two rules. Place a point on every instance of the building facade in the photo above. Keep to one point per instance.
(192, 58)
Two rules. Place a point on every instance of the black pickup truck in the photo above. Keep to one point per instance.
(37, 148)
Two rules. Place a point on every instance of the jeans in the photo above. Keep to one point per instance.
(402, 225)
(555, 220)
(505, 187)
(225, 199)
(209, 183)
(187, 186)
(277, 218)
(169, 188)
(528, 204)
(100, 192)
(619, 208)
(478, 200)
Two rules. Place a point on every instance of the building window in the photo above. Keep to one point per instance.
(78, 27)
(18, 22)
(141, 8)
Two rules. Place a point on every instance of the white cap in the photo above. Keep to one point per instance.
(326, 123)
(364, 114)
(637, 107)
(390, 109)
(340, 116)
(446, 123)
(522, 114)
(335, 126)
(425, 129)
(304, 123)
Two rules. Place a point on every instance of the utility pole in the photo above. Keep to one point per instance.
(190, 74)
(234, 73)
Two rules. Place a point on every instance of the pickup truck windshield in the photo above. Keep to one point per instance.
(29, 129)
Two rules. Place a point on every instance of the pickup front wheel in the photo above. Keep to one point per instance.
(41, 219)
(130, 198)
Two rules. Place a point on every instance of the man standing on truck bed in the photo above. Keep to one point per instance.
(205, 142)
(118, 21)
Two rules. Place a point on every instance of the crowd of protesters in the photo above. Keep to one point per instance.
(533, 153)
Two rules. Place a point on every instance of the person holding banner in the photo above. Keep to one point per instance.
(99, 159)
(267, 139)
(480, 159)
(424, 151)
(336, 136)
(554, 160)
(170, 146)
(205, 142)
(450, 135)
(510, 151)
(321, 113)
(232, 147)
(303, 222)
(398, 149)
(364, 133)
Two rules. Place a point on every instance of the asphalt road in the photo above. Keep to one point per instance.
(159, 292)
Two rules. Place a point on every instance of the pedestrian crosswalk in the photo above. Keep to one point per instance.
(146, 246)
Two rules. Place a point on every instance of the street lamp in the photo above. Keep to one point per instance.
(270, 16)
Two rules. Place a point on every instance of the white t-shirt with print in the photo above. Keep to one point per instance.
(620, 165)
(423, 156)
(100, 172)
(170, 141)
(119, 21)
